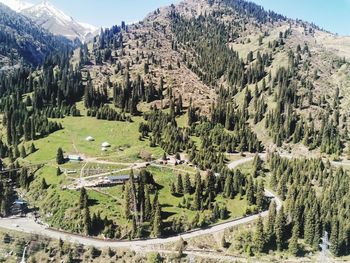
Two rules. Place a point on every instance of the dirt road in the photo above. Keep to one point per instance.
(28, 225)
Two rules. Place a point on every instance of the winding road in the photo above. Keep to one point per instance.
(28, 225)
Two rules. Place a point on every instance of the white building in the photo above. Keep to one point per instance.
(90, 139)
(105, 145)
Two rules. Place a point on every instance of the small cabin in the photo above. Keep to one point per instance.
(74, 158)
(105, 145)
(118, 179)
(70, 171)
(89, 139)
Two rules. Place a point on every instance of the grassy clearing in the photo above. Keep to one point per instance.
(123, 137)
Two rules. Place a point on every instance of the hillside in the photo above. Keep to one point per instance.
(202, 113)
(22, 42)
(199, 46)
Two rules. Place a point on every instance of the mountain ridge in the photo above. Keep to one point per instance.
(23, 42)
(53, 19)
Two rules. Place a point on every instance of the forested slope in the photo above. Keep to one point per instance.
(22, 42)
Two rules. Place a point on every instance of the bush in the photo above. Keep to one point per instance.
(154, 257)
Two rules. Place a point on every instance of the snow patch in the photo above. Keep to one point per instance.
(16, 5)
(53, 19)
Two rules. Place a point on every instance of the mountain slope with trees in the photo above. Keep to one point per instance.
(22, 42)
(274, 67)
(199, 83)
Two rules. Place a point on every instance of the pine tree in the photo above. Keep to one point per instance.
(148, 208)
(134, 227)
(309, 228)
(23, 178)
(280, 230)
(293, 243)
(179, 187)
(17, 153)
(132, 193)
(197, 198)
(60, 157)
(334, 238)
(83, 201)
(23, 152)
(44, 185)
(157, 222)
(259, 237)
(127, 201)
(32, 148)
(257, 165)
(87, 221)
(260, 196)
(187, 184)
(317, 236)
(251, 191)
(228, 187)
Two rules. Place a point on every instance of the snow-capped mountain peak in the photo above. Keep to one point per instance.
(16, 5)
(47, 9)
(55, 20)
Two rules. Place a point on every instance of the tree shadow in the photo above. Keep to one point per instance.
(177, 195)
(92, 202)
(166, 215)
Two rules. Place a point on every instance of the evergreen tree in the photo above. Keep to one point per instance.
(187, 184)
(293, 243)
(23, 152)
(83, 201)
(197, 197)
(87, 221)
(179, 186)
(157, 222)
(257, 165)
(280, 227)
(148, 208)
(259, 237)
(60, 158)
(309, 229)
(32, 148)
(334, 238)
(127, 201)
(44, 185)
(260, 196)
(250, 191)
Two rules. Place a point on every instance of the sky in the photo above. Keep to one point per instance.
(332, 15)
